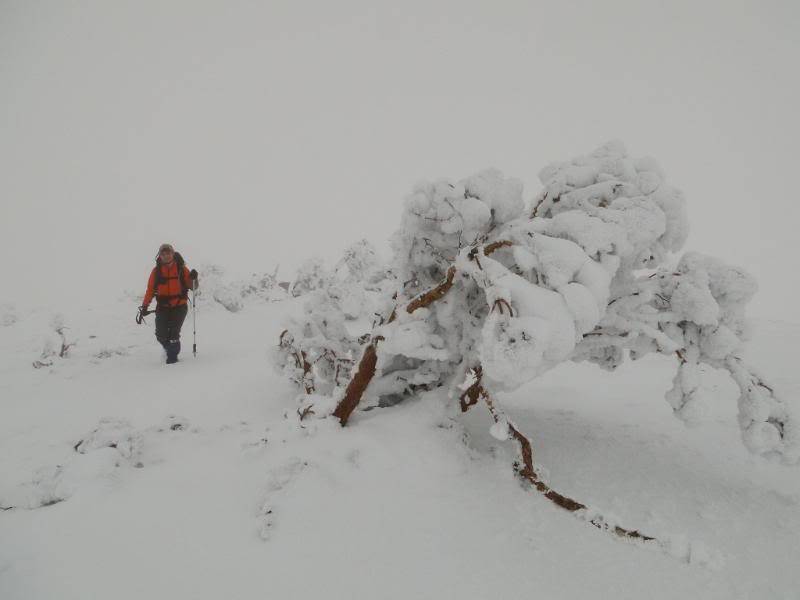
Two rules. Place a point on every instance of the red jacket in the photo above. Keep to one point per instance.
(169, 290)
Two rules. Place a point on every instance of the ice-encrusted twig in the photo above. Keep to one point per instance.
(768, 424)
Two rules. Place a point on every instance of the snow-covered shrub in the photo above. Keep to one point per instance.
(210, 278)
(317, 350)
(311, 275)
(489, 294)
(264, 286)
(112, 433)
(215, 285)
(358, 281)
(362, 261)
(228, 297)
(98, 455)
(56, 344)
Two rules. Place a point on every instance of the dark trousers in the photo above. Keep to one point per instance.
(169, 321)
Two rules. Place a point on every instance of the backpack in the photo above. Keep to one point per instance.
(160, 278)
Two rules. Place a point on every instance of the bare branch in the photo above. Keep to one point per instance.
(432, 295)
(494, 246)
(308, 410)
(527, 472)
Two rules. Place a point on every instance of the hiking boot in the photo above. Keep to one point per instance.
(173, 348)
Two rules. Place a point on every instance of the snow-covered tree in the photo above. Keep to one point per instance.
(490, 294)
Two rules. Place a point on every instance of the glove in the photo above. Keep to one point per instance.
(193, 274)
(140, 315)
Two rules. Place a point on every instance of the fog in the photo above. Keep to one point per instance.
(252, 134)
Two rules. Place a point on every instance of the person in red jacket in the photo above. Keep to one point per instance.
(170, 282)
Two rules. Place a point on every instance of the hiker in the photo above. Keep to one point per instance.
(169, 282)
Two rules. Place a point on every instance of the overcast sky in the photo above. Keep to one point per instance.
(256, 133)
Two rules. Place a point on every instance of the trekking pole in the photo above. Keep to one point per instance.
(194, 325)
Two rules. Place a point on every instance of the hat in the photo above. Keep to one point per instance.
(163, 247)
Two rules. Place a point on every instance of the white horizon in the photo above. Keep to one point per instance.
(255, 136)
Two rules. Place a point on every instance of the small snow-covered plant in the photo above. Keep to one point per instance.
(55, 347)
(264, 286)
(361, 260)
(316, 351)
(357, 278)
(490, 294)
(311, 275)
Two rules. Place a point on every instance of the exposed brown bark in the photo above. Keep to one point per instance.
(366, 366)
(494, 246)
(358, 383)
(432, 295)
(474, 254)
(301, 361)
(535, 212)
(308, 382)
(472, 394)
(500, 303)
(528, 473)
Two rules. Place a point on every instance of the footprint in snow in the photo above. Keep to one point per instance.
(97, 458)
(277, 481)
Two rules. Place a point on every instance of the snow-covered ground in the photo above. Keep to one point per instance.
(211, 492)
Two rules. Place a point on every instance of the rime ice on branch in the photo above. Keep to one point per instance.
(483, 284)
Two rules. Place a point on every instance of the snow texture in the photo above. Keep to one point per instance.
(237, 496)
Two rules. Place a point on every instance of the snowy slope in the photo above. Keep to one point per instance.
(211, 492)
